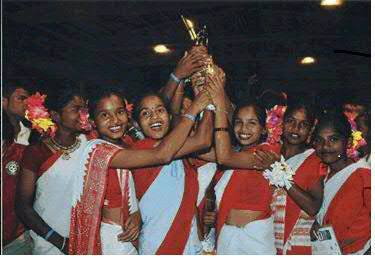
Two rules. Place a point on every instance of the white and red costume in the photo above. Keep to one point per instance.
(167, 201)
(347, 207)
(95, 185)
(53, 189)
(245, 189)
(291, 224)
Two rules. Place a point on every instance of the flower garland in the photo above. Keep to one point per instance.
(357, 139)
(280, 174)
(38, 115)
(274, 123)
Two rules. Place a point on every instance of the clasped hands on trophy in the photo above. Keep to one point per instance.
(197, 67)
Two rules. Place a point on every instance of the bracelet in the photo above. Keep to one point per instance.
(174, 78)
(221, 129)
(62, 248)
(49, 234)
(221, 110)
(190, 117)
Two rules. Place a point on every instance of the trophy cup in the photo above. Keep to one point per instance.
(199, 38)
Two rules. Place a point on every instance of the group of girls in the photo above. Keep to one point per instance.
(151, 196)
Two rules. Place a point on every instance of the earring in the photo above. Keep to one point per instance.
(339, 156)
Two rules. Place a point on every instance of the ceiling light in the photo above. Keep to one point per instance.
(161, 49)
(331, 2)
(307, 60)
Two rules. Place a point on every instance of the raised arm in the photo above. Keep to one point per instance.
(176, 102)
(190, 63)
(168, 147)
(224, 152)
(202, 139)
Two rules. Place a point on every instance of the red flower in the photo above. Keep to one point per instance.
(84, 119)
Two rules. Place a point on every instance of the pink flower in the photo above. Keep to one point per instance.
(38, 115)
(129, 107)
(274, 123)
(84, 119)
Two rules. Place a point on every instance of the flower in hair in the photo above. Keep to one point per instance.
(84, 119)
(357, 139)
(129, 107)
(274, 123)
(38, 115)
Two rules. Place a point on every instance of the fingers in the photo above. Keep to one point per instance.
(130, 233)
(209, 218)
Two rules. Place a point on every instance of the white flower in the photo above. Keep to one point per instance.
(280, 175)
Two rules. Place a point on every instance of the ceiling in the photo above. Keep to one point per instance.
(97, 43)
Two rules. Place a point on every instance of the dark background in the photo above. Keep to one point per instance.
(101, 43)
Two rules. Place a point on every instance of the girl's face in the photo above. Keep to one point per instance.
(111, 118)
(247, 128)
(69, 115)
(297, 128)
(330, 146)
(153, 117)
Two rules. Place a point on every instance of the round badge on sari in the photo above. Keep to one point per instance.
(12, 168)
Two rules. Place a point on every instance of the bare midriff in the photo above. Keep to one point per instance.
(112, 215)
(241, 218)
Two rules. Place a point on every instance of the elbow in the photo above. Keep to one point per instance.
(312, 211)
(164, 157)
(20, 210)
(205, 141)
(221, 159)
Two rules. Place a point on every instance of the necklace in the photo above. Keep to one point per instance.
(65, 150)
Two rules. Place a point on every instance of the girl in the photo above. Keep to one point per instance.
(120, 208)
(98, 196)
(168, 194)
(243, 196)
(347, 187)
(294, 208)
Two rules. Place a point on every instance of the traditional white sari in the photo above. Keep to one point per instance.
(53, 198)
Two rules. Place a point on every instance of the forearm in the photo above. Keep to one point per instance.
(223, 146)
(229, 108)
(169, 89)
(31, 219)
(205, 129)
(177, 98)
(201, 140)
(173, 142)
(306, 201)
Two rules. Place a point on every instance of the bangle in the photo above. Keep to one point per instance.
(221, 129)
(63, 245)
(49, 234)
(174, 78)
(221, 110)
(190, 117)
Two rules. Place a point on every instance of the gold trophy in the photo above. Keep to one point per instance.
(199, 38)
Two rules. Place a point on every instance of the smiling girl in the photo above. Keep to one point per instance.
(104, 203)
(167, 194)
(347, 187)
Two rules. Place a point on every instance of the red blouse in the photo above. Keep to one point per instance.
(350, 212)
